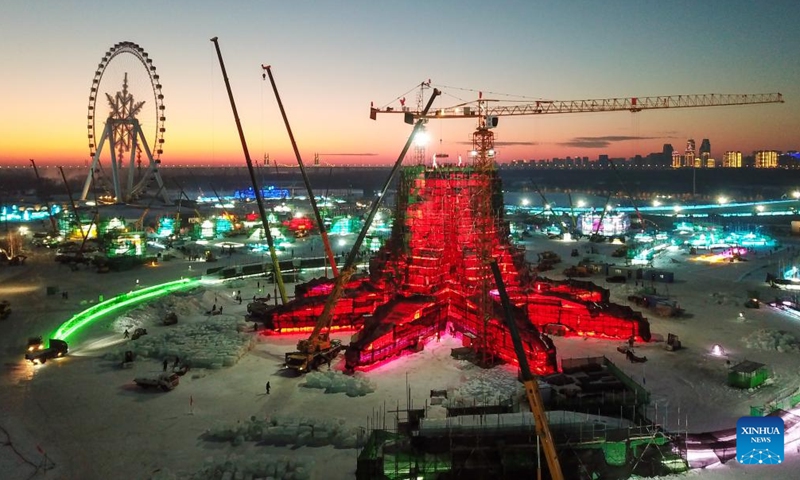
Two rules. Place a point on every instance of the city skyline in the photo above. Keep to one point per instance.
(331, 60)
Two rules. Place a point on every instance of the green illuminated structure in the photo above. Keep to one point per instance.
(129, 299)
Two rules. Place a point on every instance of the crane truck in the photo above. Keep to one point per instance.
(531, 385)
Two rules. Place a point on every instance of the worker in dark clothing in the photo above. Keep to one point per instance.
(177, 362)
(267, 388)
(166, 362)
(126, 334)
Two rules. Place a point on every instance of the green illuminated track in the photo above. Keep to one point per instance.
(119, 302)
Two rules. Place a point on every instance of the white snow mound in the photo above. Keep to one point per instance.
(212, 343)
(337, 382)
(283, 431)
(487, 387)
(772, 340)
(235, 467)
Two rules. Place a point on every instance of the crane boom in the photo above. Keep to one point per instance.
(256, 190)
(531, 386)
(631, 104)
(322, 232)
(628, 193)
(317, 341)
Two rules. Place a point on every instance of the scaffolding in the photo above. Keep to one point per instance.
(499, 441)
(448, 225)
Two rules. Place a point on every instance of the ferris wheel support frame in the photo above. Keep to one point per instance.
(152, 170)
(126, 124)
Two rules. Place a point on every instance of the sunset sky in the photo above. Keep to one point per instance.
(331, 59)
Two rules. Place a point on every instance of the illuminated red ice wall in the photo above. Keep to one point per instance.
(430, 275)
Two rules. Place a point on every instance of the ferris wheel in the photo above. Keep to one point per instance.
(126, 115)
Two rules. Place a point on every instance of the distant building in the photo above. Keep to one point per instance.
(667, 150)
(689, 156)
(732, 159)
(766, 159)
(705, 149)
(705, 154)
(677, 160)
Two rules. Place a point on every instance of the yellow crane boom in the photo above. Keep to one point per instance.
(531, 385)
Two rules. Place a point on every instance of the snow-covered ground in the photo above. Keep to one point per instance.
(89, 419)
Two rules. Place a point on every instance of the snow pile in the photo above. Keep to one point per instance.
(337, 382)
(721, 298)
(184, 305)
(253, 466)
(487, 387)
(215, 342)
(770, 340)
(288, 430)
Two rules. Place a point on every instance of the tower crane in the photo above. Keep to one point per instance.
(487, 111)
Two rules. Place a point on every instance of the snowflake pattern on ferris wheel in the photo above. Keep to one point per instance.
(123, 128)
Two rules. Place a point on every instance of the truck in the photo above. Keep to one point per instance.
(304, 362)
(35, 343)
(164, 381)
(56, 348)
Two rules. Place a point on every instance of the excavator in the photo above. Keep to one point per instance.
(531, 386)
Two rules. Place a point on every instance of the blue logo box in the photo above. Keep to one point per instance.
(759, 440)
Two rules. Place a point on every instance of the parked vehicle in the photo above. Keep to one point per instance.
(56, 349)
(138, 333)
(35, 343)
(164, 381)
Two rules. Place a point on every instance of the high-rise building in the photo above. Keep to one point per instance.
(732, 159)
(689, 156)
(667, 150)
(677, 160)
(705, 160)
(766, 159)
(705, 146)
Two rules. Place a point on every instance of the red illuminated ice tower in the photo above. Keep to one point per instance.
(433, 276)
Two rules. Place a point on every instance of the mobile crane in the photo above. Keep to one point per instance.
(318, 348)
(320, 224)
(256, 190)
(531, 385)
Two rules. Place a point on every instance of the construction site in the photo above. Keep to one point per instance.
(447, 273)
(450, 268)
(432, 278)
